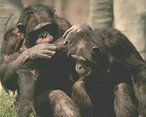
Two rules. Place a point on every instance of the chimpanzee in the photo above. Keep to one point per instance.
(32, 63)
(110, 73)
(11, 44)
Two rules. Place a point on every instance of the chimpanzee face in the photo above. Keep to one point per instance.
(38, 24)
(86, 54)
(43, 34)
(81, 52)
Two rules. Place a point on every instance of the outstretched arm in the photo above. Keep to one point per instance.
(12, 59)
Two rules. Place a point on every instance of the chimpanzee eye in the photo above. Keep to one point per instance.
(21, 28)
(66, 42)
(43, 34)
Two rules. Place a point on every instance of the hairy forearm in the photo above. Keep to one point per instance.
(14, 62)
(9, 68)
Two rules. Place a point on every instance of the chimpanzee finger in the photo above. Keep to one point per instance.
(48, 52)
(66, 32)
(71, 29)
(45, 56)
(77, 28)
(69, 36)
(51, 47)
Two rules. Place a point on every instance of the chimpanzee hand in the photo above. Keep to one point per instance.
(82, 27)
(76, 31)
(77, 28)
(43, 50)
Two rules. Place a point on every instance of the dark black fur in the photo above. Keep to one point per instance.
(107, 90)
(38, 81)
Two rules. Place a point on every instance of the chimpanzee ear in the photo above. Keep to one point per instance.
(21, 27)
(95, 49)
(53, 10)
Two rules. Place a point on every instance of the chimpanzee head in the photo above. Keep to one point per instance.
(38, 24)
(87, 54)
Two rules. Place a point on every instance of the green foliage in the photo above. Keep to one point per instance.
(7, 108)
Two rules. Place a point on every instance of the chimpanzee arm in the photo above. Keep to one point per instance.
(9, 51)
(140, 91)
(12, 61)
(62, 105)
(38, 51)
(81, 97)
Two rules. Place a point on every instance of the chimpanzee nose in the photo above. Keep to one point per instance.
(46, 38)
(44, 35)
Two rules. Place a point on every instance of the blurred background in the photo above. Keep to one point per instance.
(74, 10)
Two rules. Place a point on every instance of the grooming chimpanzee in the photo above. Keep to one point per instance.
(111, 73)
(32, 63)
(11, 44)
